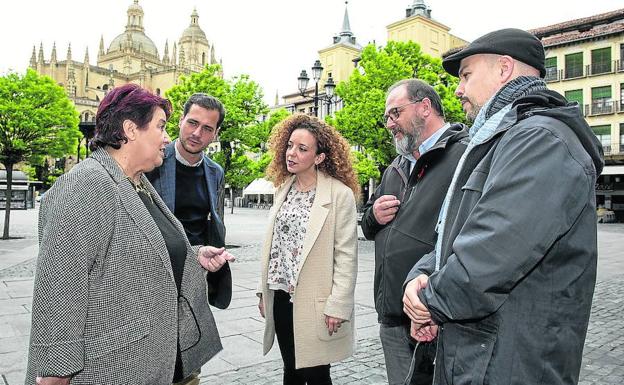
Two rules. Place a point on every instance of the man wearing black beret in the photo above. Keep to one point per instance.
(508, 289)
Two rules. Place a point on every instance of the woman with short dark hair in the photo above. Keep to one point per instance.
(120, 295)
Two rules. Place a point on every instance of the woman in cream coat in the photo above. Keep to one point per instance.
(309, 259)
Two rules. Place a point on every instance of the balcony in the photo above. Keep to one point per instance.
(552, 74)
(606, 149)
(574, 72)
(600, 108)
(602, 67)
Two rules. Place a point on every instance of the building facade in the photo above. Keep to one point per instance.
(585, 62)
(418, 26)
(131, 57)
(338, 61)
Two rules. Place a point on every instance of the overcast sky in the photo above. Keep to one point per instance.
(271, 40)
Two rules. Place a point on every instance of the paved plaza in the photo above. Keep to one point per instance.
(241, 361)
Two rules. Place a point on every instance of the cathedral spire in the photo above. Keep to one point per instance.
(33, 58)
(40, 58)
(53, 55)
(69, 53)
(165, 58)
(101, 50)
(86, 57)
(181, 60)
(174, 54)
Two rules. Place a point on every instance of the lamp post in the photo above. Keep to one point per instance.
(330, 86)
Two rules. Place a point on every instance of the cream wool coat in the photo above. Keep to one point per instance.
(326, 281)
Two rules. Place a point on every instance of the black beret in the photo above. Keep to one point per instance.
(516, 43)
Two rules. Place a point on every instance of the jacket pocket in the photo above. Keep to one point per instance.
(118, 338)
(189, 333)
(467, 352)
(321, 328)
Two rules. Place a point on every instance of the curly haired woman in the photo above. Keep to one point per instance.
(309, 259)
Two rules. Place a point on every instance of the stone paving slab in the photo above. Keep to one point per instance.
(241, 361)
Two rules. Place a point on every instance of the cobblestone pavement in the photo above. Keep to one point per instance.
(365, 367)
(240, 326)
(603, 356)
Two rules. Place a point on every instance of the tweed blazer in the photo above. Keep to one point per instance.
(163, 179)
(327, 275)
(105, 305)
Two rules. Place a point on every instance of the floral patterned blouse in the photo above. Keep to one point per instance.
(289, 233)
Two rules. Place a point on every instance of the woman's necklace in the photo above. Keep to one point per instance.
(305, 188)
(140, 188)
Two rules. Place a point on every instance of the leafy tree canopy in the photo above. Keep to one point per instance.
(37, 119)
(364, 93)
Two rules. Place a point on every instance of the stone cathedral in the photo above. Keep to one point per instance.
(131, 57)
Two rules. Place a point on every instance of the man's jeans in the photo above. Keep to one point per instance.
(398, 349)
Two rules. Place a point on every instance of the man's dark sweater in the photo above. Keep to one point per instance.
(192, 203)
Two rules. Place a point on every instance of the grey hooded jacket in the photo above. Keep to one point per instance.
(518, 259)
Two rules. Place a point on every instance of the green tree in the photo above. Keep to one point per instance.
(364, 93)
(241, 97)
(37, 119)
(365, 167)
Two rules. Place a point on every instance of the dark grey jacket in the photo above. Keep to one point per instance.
(411, 234)
(518, 259)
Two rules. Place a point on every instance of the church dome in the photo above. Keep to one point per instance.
(138, 41)
(134, 37)
(194, 31)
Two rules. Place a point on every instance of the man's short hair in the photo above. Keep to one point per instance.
(208, 102)
(417, 90)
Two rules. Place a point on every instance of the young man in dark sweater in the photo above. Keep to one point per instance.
(191, 185)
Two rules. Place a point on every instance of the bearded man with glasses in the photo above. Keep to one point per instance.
(416, 182)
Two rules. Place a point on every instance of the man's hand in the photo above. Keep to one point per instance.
(261, 306)
(412, 306)
(424, 333)
(52, 380)
(333, 324)
(385, 208)
(212, 258)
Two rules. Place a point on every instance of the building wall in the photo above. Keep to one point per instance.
(337, 60)
(433, 37)
(597, 114)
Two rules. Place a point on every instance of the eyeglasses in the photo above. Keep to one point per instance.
(394, 113)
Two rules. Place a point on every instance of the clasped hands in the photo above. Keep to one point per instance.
(422, 328)
(213, 258)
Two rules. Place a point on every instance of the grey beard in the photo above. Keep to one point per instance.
(407, 145)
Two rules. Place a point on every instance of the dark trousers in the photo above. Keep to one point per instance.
(283, 316)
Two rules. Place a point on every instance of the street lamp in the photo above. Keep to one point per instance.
(330, 86)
